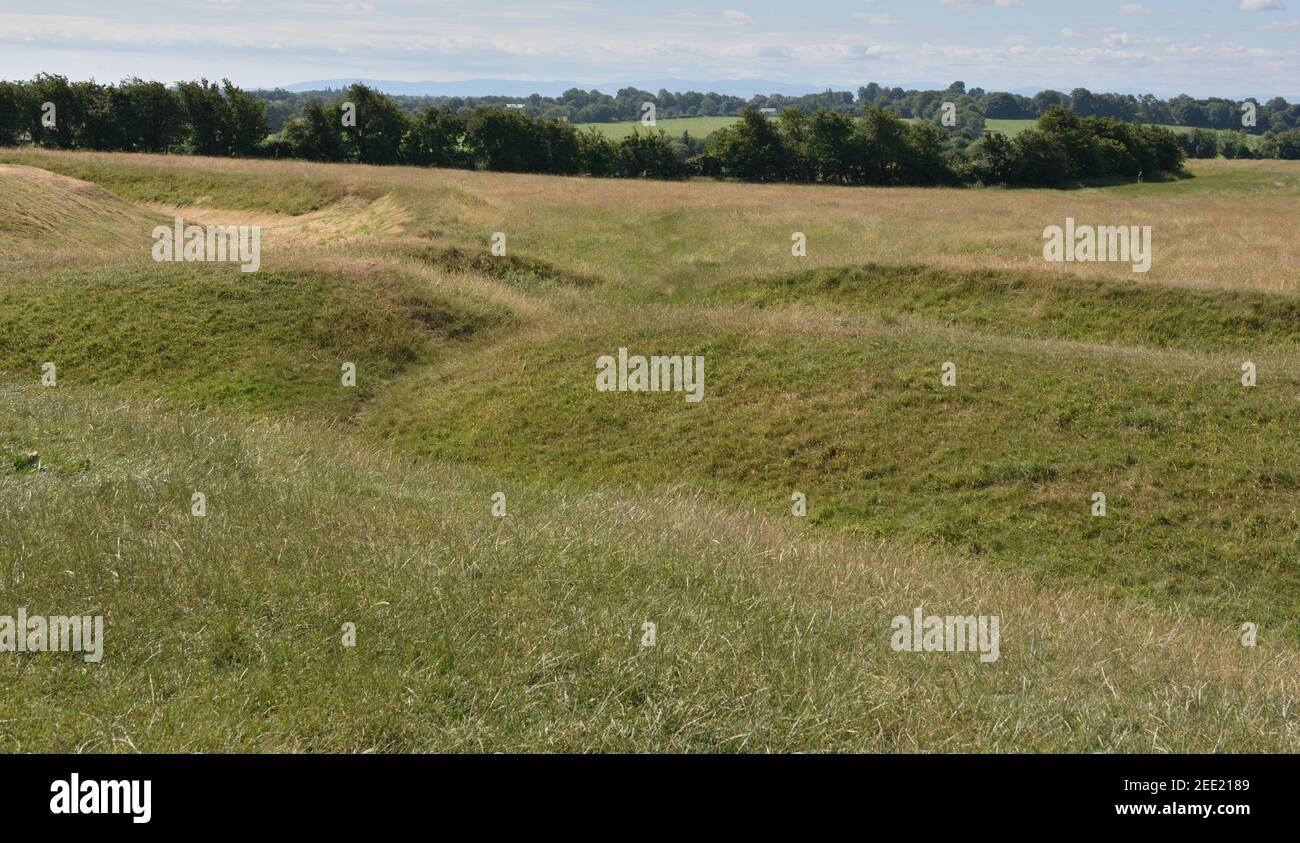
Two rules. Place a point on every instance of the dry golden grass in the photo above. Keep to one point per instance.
(1231, 226)
(687, 230)
(43, 213)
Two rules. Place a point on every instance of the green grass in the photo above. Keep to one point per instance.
(329, 505)
(209, 334)
(1040, 306)
(523, 633)
(1001, 468)
(699, 127)
(1010, 128)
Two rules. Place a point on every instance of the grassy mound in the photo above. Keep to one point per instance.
(1199, 472)
(42, 211)
(210, 334)
(1022, 304)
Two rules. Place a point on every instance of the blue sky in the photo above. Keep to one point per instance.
(1203, 47)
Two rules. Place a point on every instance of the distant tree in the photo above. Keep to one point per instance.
(1287, 145)
(558, 144)
(1083, 103)
(1188, 112)
(380, 127)
(317, 135)
(1003, 106)
(243, 121)
(1083, 154)
(598, 155)
(1040, 159)
(505, 140)
(1047, 100)
(1120, 150)
(100, 129)
(926, 161)
(836, 151)
(1235, 145)
(992, 160)
(1200, 143)
(153, 113)
(752, 149)
(885, 146)
(650, 155)
(13, 112)
(435, 140)
(1162, 153)
(204, 113)
(68, 111)
(796, 131)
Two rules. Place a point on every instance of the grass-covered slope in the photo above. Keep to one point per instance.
(41, 211)
(1039, 306)
(476, 374)
(274, 339)
(1200, 473)
(524, 633)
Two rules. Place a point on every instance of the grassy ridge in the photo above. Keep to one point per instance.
(1200, 473)
(273, 339)
(1029, 305)
(292, 188)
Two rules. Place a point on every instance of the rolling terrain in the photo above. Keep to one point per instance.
(371, 504)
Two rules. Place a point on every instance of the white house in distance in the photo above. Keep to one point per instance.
(767, 112)
(516, 105)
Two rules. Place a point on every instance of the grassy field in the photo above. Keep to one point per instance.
(1011, 128)
(698, 127)
(372, 505)
(703, 126)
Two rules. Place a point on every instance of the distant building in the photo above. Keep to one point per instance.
(516, 105)
(767, 112)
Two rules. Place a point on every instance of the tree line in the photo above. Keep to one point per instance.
(579, 106)
(1205, 143)
(202, 118)
(827, 146)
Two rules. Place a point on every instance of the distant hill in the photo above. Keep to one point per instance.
(522, 88)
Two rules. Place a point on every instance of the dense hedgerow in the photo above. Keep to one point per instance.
(825, 146)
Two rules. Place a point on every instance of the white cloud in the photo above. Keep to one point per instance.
(877, 19)
(1133, 10)
(967, 5)
(595, 46)
(1262, 5)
